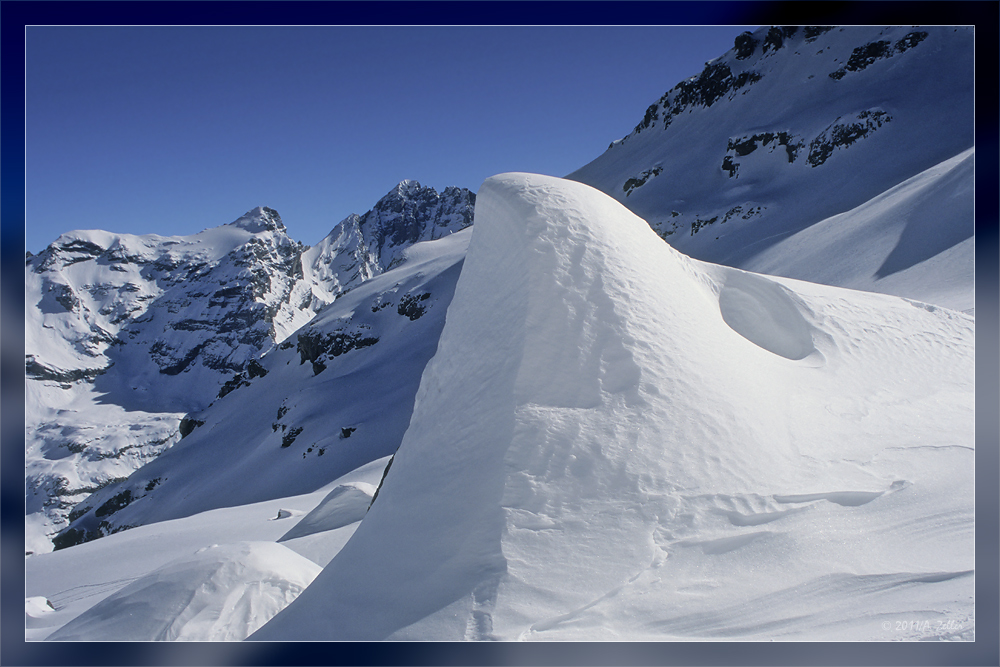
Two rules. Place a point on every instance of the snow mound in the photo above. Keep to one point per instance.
(345, 505)
(37, 611)
(219, 593)
(613, 439)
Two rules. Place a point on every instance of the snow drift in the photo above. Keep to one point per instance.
(615, 441)
(219, 593)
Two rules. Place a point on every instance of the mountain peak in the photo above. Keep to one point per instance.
(260, 219)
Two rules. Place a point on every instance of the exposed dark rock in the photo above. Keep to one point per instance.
(864, 56)
(178, 366)
(813, 31)
(698, 223)
(729, 166)
(237, 381)
(255, 369)
(71, 537)
(909, 41)
(745, 45)
(842, 134)
(64, 295)
(640, 180)
(347, 431)
(290, 435)
(776, 37)
(36, 371)
(746, 78)
(115, 503)
(311, 344)
(382, 481)
(188, 425)
(743, 146)
(410, 306)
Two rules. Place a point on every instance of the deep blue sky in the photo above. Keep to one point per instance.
(173, 130)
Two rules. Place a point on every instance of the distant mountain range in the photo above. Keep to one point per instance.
(126, 334)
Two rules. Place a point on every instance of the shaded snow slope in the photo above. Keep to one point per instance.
(614, 441)
(904, 242)
(794, 126)
(334, 396)
(220, 593)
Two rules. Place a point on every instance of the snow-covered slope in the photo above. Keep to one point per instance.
(614, 441)
(794, 126)
(336, 395)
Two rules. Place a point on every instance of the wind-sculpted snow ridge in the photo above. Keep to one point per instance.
(793, 126)
(614, 441)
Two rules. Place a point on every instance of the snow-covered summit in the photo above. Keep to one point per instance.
(363, 246)
(615, 441)
(260, 219)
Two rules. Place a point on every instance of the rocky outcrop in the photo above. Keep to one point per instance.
(843, 132)
(868, 54)
(715, 82)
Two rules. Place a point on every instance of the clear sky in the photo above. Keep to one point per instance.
(171, 130)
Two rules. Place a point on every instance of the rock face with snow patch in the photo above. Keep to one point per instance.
(791, 127)
(614, 441)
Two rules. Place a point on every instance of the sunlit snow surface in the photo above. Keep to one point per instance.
(615, 441)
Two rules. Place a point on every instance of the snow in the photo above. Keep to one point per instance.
(896, 243)
(614, 441)
(78, 578)
(220, 593)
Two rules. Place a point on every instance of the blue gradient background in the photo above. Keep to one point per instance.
(15, 15)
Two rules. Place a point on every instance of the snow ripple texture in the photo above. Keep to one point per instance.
(615, 441)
